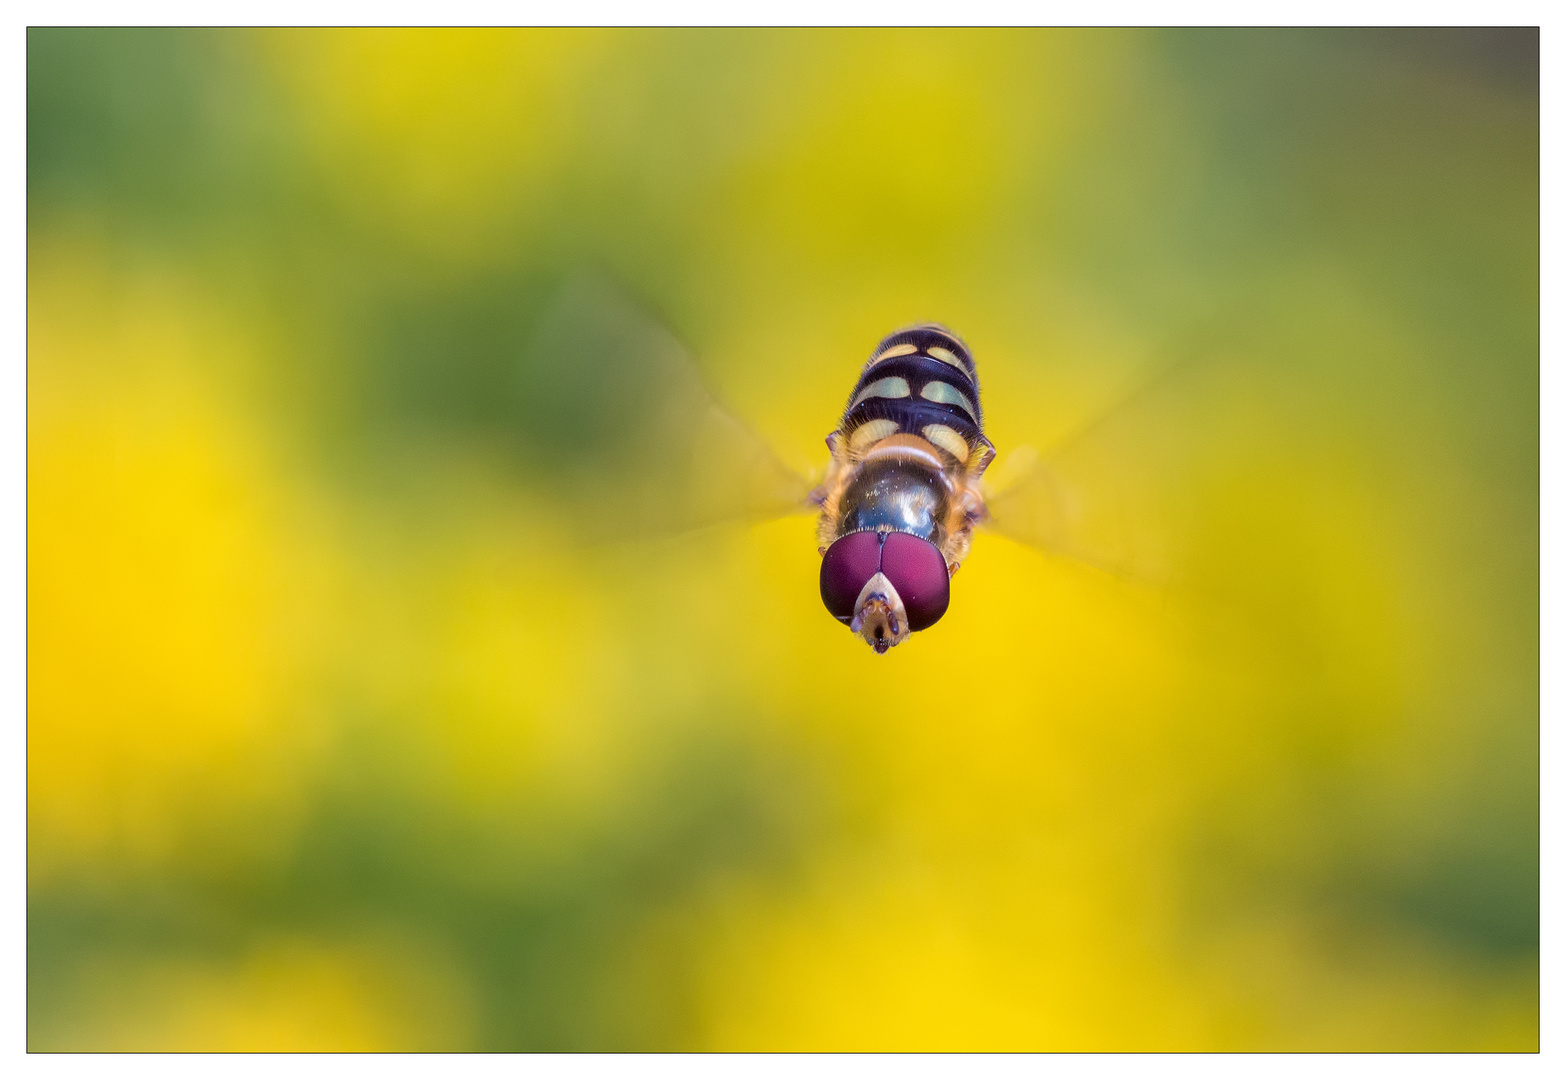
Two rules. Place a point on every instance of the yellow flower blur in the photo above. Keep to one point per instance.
(343, 733)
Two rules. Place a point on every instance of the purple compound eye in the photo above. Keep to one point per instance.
(917, 570)
(850, 562)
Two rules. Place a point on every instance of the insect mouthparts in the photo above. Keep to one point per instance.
(878, 615)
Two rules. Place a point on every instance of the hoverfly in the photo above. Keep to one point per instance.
(900, 496)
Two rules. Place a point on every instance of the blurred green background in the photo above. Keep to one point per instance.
(344, 732)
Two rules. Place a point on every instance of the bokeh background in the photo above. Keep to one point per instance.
(345, 733)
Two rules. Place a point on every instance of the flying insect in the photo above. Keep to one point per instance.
(901, 494)
(899, 498)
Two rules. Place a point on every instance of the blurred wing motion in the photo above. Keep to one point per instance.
(1124, 494)
(650, 450)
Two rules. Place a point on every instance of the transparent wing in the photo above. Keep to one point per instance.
(1130, 492)
(645, 447)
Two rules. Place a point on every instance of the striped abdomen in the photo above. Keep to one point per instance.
(909, 451)
(920, 381)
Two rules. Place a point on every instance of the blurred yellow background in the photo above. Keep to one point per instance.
(343, 735)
